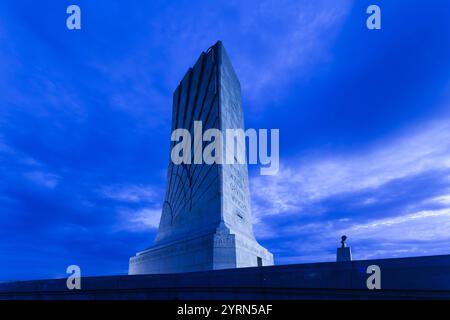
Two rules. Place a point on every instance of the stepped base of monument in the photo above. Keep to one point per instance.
(212, 251)
(403, 278)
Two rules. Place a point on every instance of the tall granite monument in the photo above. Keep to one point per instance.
(206, 217)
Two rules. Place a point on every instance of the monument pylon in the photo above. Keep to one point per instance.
(206, 216)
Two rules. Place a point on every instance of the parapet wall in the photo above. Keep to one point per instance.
(411, 278)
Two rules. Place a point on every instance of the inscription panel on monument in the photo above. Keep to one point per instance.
(236, 195)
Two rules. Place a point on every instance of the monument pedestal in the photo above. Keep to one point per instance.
(344, 254)
(211, 251)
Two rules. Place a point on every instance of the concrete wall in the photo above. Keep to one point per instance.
(410, 278)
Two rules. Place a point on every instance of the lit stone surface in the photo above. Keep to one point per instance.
(206, 216)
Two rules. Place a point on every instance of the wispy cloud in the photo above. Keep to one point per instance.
(427, 225)
(292, 38)
(130, 193)
(311, 179)
(445, 200)
(391, 199)
(271, 43)
(424, 232)
(45, 179)
(137, 206)
(139, 220)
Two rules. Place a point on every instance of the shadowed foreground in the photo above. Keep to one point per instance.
(403, 278)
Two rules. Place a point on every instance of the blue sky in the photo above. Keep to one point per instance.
(364, 119)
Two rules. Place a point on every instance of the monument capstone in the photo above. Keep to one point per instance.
(206, 216)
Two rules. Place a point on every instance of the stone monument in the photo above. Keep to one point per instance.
(206, 216)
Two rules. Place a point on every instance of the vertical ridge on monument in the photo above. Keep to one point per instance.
(206, 216)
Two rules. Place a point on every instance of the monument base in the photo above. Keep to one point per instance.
(213, 251)
(344, 254)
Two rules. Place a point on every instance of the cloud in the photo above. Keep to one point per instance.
(130, 193)
(137, 206)
(445, 200)
(310, 179)
(417, 226)
(392, 199)
(139, 220)
(291, 38)
(45, 179)
(424, 232)
(270, 43)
